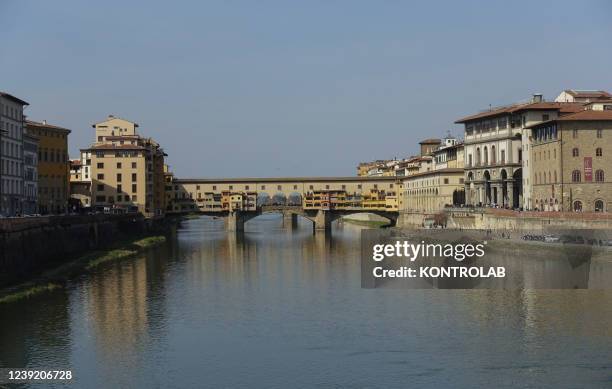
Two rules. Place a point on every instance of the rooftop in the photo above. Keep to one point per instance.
(514, 108)
(13, 98)
(588, 94)
(431, 141)
(284, 179)
(584, 115)
(107, 146)
(46, 126)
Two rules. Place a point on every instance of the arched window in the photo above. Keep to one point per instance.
(599, 133)
(478, 156)
(486, 156)
(503, 156)
(577, 206)
(599, 175)
(493, 156)
(575, 152)
(598, 152)
(576, 176)
(599, 206)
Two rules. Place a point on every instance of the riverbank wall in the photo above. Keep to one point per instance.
(507, 220)
(29, 246)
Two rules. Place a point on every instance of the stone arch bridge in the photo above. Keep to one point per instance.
(189, 190)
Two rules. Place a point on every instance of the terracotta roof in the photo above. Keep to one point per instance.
(587, 94)
(115, 147)
(431, 141)
(30, 123)
(433, 172)
(15, 99)
(584, 115)
(510, 109)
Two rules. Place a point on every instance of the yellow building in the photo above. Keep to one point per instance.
(53, 166)
(434, 190)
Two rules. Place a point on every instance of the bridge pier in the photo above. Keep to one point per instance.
(235, 221)
(290, 220)
(322, 221)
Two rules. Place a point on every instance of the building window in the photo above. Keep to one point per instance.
(600, 133)
(100, 165)
(574, 134)
(231, 187)
(503, 156)
(263, 187)
(599, 175)
(134, 177)
(311, 187)
(599, 206)
(133, 165)
(278, 187)
(358, 186)
(134, 188)
(134, 197)
(575, 152)
(119, 189)
(118, 165)
(578, 206)
(100, 176)
(545, 118)
(294, 187)
(576, 176)
(118, 177)
(214, 187)
(446, 180)
(598, 152)
(246, 187)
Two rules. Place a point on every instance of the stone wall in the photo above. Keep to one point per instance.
(500, 219)
(31, 245)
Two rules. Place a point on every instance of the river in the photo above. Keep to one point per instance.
(277, 308)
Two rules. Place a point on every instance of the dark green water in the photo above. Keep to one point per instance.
(284, 309)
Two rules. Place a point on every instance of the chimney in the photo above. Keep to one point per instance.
(537, 98)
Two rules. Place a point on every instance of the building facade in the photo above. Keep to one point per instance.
(80, 187)
(126, 170)
(572, 161)
(30, 174)
(497, 155)
(11, 154)
(53, 166)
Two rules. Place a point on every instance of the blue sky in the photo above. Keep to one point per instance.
(293, 88)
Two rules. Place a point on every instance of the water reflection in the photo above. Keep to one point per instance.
(282, 308)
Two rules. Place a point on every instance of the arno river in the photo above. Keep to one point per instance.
(283, 309)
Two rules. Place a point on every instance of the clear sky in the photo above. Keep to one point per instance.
(286, 88)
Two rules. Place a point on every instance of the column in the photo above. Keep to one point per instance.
(322, 221)
(510, 186)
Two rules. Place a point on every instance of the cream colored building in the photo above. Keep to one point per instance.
(126, 169)
(436, 181)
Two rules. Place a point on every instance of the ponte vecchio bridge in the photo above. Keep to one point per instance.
(319, 199)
